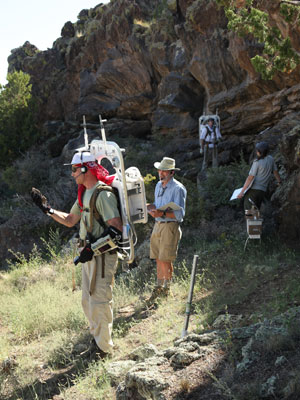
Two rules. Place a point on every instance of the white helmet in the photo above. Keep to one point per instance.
(82, 157)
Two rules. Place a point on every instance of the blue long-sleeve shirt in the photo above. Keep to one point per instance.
(173, 191)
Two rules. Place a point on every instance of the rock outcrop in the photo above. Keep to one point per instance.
(260, 348)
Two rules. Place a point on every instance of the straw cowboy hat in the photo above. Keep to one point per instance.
(166, 164)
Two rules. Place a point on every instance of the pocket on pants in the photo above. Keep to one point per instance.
(102, 293)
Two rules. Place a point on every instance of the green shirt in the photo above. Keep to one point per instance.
(106, 204)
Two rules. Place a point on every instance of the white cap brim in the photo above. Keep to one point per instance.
(82, 157)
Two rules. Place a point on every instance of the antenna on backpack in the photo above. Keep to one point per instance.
(102, 129)
(86, 138)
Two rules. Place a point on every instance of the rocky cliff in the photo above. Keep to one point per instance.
(164, 61)
(159, 65)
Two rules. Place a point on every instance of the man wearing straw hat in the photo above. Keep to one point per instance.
(168, 210)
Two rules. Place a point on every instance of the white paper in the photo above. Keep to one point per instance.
(238, 191)
(172, 206)
(235, 194)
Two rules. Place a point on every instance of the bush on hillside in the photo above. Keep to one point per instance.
(195, 209)
(35, 168)
(17, 117)
(222, 181)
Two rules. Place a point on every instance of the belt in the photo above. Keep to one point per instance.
(166, 222)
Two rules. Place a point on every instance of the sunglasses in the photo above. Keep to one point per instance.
(74, 169)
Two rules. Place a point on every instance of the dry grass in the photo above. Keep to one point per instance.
(184, 385)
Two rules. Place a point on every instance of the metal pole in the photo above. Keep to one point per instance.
(86, 139)
(190, 297)
(103, 130)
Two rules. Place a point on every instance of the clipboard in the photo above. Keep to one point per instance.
(170, 206)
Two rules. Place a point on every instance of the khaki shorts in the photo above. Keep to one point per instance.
(164, 241)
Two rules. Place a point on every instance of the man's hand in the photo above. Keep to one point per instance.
(85, 255)
(156, 213)
(40, 200)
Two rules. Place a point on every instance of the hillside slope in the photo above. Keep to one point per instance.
(242, 343)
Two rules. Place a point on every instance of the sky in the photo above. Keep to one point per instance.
(37, 21)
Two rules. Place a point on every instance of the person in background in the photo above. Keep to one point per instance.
(210, 135)
(262, 169)
(166, 233)
(97, 270)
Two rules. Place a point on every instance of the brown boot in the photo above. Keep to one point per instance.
(101, 355)
(165, 291)
(157, 291)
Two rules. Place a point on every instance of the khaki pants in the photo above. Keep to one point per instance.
(98, 306)
(214, 154)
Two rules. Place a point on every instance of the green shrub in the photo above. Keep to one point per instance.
(277, 53)
(150, 183)
(222, 181)
(195, 209)
(17, 117)
(28, 171)
(159, 10)
(53, 245)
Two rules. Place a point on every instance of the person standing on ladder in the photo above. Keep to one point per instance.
(210, 135)
(259, 177)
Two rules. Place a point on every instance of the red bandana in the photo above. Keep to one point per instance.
(99, 172)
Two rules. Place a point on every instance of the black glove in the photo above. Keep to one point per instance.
(41, 201)
(85, 255)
